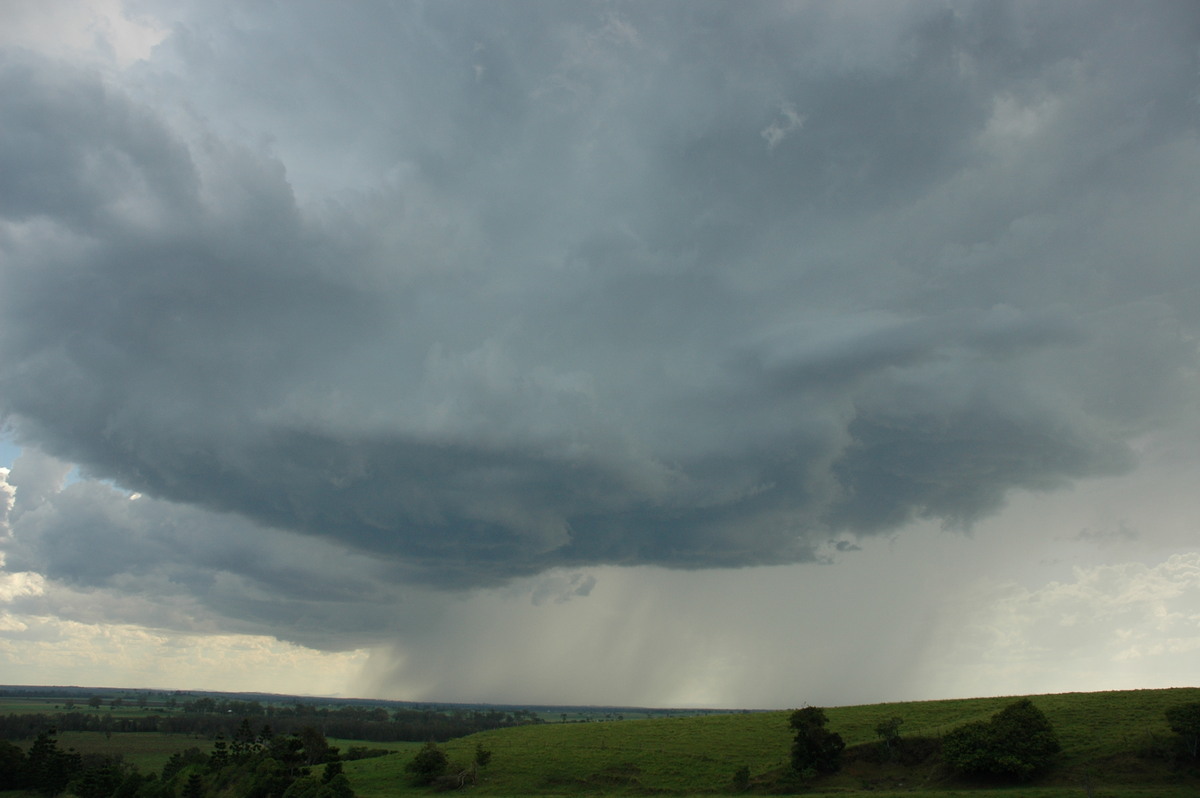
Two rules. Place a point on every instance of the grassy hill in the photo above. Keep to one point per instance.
(1103, 736)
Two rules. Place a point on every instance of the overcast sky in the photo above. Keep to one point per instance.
(658, 353)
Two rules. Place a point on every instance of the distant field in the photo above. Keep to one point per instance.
(22, 706)
(148, 750)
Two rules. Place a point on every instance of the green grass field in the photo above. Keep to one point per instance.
(1101, 733)
(148, 750)
(33, 706)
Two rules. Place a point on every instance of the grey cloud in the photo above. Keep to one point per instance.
(478, 292)
(113, 557)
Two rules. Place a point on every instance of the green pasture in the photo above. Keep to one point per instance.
(149, 751)
(33, 706)
(30, 706)
(1101, 734)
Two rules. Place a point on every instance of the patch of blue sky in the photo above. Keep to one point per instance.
(8, 452)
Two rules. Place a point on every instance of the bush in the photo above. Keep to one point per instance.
(1184, 720)
(428, 765)
(815, 749)
(1016, 744)
(741, 779)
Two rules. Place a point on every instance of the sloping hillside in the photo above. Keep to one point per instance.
(1103, 735)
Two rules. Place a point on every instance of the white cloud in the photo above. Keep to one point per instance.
(98, 31)
(40, 650)
(1123, 625)
(21, 583)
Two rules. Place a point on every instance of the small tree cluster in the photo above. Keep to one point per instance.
(430, 767)
(429, 764)
(815, 749)
(45, 769)
(889, 732)
(1184, 720)
(1014, 745)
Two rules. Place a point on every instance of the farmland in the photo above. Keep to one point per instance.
(1112, 746)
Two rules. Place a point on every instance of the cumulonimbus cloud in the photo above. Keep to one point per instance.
(535, 294)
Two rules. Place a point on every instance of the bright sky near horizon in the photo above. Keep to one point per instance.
(664, 354)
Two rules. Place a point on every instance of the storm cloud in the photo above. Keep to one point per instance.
(452, 294)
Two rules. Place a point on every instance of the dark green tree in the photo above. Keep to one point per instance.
(1184, 720)
(338, 787)
(316, 748)
(245, 742)
(482, 755)
(331, 769)
(428, 764)
(219, 757)
(136, 785)
(815, 748)
(889, 732)
(182, 759)
(1017, 743)
(48, 769)
(194, 787)
(12, 766)
(101, 781)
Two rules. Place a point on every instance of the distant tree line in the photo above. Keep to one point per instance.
(210, 719)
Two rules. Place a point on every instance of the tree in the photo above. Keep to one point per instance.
(245, 742)
(182, 759)
(12, 766)
(100, 782)
(815, 748)
(49, 770)
(482, 755)
(429, 763)
(332, 770)
(889, 732)
(316, 748)
(339, 787)
(1184, 720)
(219, 757)
(1014, 745)
(194, 787)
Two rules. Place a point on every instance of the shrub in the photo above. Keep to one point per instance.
(482, 756)
(1184, 720)
(815, 748)
(1016, 744)
(428, 765)
(889, 732)
(741, 779)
